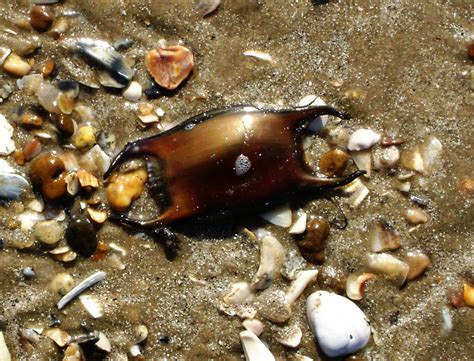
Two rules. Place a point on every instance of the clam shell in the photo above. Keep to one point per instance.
(12, 186)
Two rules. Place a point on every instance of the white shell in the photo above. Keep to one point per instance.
(430, 152)
(133, 92)
(7, 145)
(253, 325)
(355, 285)
(92, 305)
(303, 279)
(340, 327)
(272, 257)
(363, 139)
(358, 192)
(5, 167)
(254, 349)
(81, 287)
(259, 55)
(4, 353)
(300, 225)
(392, 267)
(280, 216)
(290, 336)
(103, 343)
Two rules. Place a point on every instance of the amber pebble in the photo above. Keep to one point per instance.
(170, 66)
(20, 157)
(64, 123)
(47, 173)
(41, 18)
(31, 149)
(313, 244)
(48, 68)
(333, 162)
(31, 121)
(125, 188)
(81, 236)
(467, 185)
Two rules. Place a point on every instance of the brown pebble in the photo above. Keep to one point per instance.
(31, 121)
(470, 50)
(313, 244)
(31, 149)
(41, 18)
(47, 173)
(388, 140)
(81, 235)
(418, 263)
(333, 162)
(64, 123)
(48, 68)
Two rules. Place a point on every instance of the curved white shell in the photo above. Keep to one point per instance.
(254, 349)
(272, 257)
(340, 327)
(363, 139)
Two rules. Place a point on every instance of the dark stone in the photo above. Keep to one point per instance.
(81, 236)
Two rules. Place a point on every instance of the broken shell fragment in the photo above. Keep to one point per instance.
(61, 337)
(125, 188)
(417, 262)
(253, 325)
(95, 160)
(170, 66)
(16, 66)
(97, 216)
(383, 237)
(4, 53)
(415, 216)
(363, 161)
(280, 216)
(355, 285)
(103, 343)
(289, 336)
(300, 225)
(272, 257)
(363, 139)
(240, 293)
(254, 349)
(358, 192)
(102, 53)
(340, 327)
(81, 287)
(386, 264)
(73, 353)
(92, 305)
(141, 333)
(260, 55)
(303, 279)
(7, 145)
(430, 152)
(87, 180)
(411, 159)
(4, 352)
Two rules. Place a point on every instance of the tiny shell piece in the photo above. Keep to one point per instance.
(355, 285)
(103, 343)
(253, 325)
(415, 216)
(207, 6)
(290, 336)
(300, 225)
(170, 66)
(383, 237)
(259, 55)
(340, 327)
(133, 92)
(303, 279)
(92, 305)
(392, 267)
(272, 257)
(254, 349)
(86, 179)
(363, 139)
(240, 293)
(61, 337)
(280, 216)
(7, 145)
(363, 161)
(97, 216)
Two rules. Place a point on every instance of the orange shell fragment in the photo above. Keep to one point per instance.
(170, 66)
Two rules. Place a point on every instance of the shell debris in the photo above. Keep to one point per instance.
(81, 287)
(254, 349)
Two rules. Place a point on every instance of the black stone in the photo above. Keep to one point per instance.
(81, 236)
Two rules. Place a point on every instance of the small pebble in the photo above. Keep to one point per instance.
(387, 157)
(62, 283)
(274, 306)
(415, 216)
(417, 262)
(47, 172)
(125, 188)
(32, 149)
(333, 162)
(313, 244)
(28, 273)
(31, 121)
(470, 50)
(41, 18)
(48, 232)
(466, 185)
(15, 65)
(468, 294)
(64, 123)
(81, 235)
(48, 68)
(133, 92)
(84, 138)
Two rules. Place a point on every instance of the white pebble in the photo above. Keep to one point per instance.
(133, 91)
(363, 139)
(340, 326)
